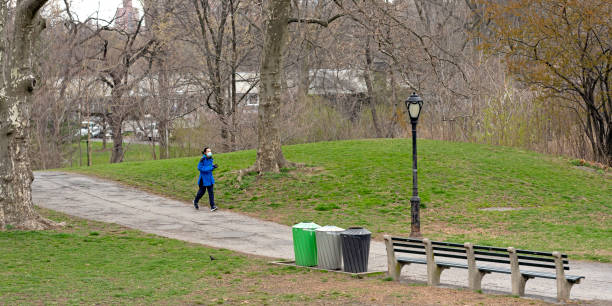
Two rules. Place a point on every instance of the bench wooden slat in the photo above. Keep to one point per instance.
(493, 260)
(462, 250)
(539, 274)
(494, 269)
(411, 260)
(573, 278)
(451, 264)
(449, 255)
(407, 239)
(447, 244)
(409, 245)
(409, 251)
(530, 264)
(538, 253)
(492, 254)
(489, 248)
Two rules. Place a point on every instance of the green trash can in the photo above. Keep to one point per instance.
(305, 244)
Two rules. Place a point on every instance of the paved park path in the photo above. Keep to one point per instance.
(107, 201)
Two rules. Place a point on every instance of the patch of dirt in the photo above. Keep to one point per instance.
(309, 171)
(500, 208)
(446, 229)
(334, 289)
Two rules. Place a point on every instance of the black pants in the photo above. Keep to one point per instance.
(202, 191)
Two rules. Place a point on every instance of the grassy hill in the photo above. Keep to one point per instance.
(368, 183)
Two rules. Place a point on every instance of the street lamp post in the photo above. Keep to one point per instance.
(414, 105)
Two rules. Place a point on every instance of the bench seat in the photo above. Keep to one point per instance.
(569, 278)
(408, 260)
(451, 264)
(494, 269)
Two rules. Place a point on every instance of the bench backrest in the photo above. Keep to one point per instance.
(417, 246)
(540, 259)
(408, 245)
(448, 250)
(524, 257)
(491, 254)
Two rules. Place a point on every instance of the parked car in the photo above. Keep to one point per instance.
(149, 132)
(90, 126)
(109, 133)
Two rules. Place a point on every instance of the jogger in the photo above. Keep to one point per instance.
(206, 180)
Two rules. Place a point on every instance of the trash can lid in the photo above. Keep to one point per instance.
(329, 228)
(356, 231)
(307, 225)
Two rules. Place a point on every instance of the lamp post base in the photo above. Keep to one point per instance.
(415, 227)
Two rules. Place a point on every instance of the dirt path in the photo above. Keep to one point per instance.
(107, 201)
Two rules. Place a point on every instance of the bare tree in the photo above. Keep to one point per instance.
(225, 45)
(270, 156)
(19, 36)
(122, 63)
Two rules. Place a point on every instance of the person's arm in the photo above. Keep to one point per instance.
(203, 167)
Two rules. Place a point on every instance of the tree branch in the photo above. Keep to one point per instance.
(323, 23)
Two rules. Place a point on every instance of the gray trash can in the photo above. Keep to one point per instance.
(356, 249)
(329, 247)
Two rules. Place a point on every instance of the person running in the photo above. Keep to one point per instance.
(206, 180)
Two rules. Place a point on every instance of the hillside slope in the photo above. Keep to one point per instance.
(368, 183)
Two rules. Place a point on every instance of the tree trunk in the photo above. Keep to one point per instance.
(370, 87)
(153, 153)
(116, 125)
(18, 83)
(105, 125)
(269, 152)
(162, 128)
(88, 150)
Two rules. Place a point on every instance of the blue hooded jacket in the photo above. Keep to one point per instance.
(205, 166)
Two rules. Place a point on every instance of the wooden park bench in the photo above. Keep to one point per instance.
(479, 261)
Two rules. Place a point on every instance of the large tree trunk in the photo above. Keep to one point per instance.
(116, 123)
(16, 207)
(269, 153)
(117, 153)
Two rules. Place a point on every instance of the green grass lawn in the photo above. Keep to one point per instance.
(90, 263)
(133, 152)
(368, 183)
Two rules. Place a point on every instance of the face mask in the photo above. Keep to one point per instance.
(209, 154)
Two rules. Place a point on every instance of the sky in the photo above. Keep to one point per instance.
(106, 8)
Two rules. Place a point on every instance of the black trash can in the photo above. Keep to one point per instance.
(355, 249)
